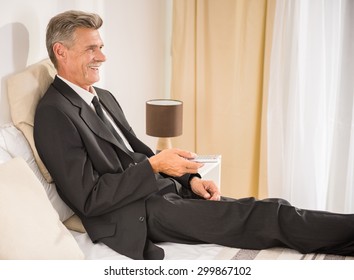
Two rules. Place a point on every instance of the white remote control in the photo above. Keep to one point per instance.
(206, 158)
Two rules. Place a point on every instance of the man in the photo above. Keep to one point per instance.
(127, 197)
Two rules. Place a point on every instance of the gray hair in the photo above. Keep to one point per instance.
(61, 28)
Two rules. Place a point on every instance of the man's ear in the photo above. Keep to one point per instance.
(60, 51)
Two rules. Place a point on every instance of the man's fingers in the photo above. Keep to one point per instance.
(185, 154)
(192, 167)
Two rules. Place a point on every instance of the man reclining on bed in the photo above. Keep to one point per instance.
(129, 198)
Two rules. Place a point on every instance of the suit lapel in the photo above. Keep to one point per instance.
(119, 118)
(86, 113)
(96, 125)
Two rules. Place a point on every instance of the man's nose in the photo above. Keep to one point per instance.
(101, 56)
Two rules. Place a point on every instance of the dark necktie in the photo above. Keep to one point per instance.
(102, 116)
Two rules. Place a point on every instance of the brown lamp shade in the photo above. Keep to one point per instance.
(164, 117)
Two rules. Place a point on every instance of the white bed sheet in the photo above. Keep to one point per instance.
(173, 251)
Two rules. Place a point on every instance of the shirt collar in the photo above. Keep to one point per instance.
(87, 96)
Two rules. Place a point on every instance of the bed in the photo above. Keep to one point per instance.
(37, 224)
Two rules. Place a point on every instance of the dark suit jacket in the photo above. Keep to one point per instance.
(104, 185)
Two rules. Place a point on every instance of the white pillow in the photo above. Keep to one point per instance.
(30, 227)
(4, 156)
(13, 141)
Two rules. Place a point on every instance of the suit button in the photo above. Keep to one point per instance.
(141, 219)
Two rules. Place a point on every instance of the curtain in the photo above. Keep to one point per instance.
(220, 58)
(310, 104)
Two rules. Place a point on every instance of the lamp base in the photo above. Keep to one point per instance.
(163, 143)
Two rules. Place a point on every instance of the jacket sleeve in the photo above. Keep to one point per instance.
(61, 146)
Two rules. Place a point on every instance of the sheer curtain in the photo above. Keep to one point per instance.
(310, 105)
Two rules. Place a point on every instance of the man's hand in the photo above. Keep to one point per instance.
(174, 162)
(206, 189)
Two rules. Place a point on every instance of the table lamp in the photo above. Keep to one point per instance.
(164, 119)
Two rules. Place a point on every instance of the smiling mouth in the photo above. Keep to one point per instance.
(94, 67)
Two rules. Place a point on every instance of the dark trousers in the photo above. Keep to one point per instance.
(249, 224)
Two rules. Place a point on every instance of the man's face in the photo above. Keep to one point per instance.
(82, 60)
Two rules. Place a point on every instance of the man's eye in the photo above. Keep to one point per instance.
(91, 49)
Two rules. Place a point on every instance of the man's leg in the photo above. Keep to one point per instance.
(249, 223)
